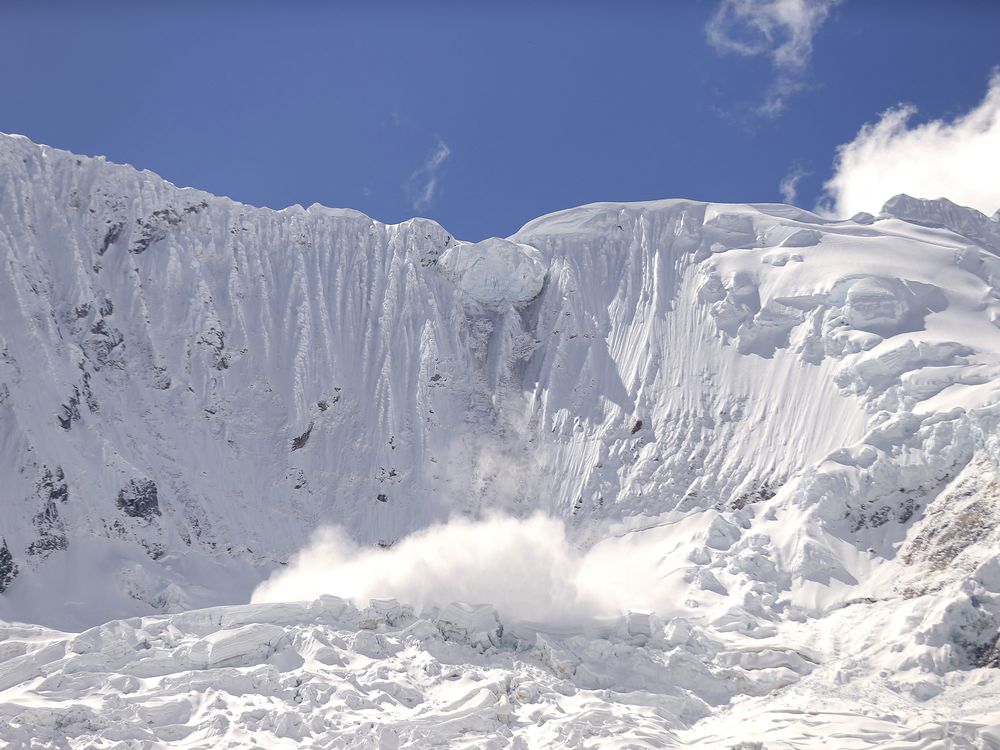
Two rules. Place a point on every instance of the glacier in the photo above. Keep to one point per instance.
(765, 440)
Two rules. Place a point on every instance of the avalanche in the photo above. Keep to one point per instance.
(665, 474)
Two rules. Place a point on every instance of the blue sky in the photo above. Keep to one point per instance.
(485, 115)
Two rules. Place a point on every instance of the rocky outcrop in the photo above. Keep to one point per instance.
(138, 499)
(8, 568)
(300, 442)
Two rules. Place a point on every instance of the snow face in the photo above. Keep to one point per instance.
(754, 427)
(495, 272)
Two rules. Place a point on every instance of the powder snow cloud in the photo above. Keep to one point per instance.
(423, 183)
(958, 160)
(527, 568)
(782, 30)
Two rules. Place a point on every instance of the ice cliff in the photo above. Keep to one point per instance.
(189, 385)
(791, 421)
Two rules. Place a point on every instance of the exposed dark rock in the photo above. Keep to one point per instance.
(51, 532)
(158, 225)
(759, 494)
(215, 340)
(963, 515)
(899, 505)
(70, 411)
(905, 512)
(382, 498)
(82, 311)
(430, 256)
(988, 656)
(161, 380)
(879, 516)
(138, 499)
(102, 347)
(326, 403)
(88, 394)
(48, 515)
(154, 229)
(52, 490)
(111, 236)
(637, 426)
(106, 307)
(388, 475)
(52, 485)
(8, 568)
(301, 440)
(976, 638)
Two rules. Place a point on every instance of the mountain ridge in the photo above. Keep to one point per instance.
(284, 337)
(751, 452)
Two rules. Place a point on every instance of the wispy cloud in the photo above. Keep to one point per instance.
(423, 183)
(956, 160)
(782, 30)
(789, 185)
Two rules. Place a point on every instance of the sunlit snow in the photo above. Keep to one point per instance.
(664, 474)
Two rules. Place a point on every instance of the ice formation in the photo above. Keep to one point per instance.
(788, 424)
(495, 272)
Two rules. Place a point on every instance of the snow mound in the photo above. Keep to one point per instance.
(495, 272)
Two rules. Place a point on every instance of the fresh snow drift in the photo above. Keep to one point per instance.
(642, 475)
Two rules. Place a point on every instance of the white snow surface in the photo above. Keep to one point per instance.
(495, 272)
(664, 474)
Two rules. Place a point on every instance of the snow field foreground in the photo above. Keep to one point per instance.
(737, 463)
(328, 675)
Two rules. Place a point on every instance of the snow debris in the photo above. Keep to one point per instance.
(495, 272)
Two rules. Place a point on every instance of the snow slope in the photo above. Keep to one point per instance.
(790, 423)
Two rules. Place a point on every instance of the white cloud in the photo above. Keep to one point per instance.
(782, 30)
(789, 185)
(423, 183)
(959, 160)
(528, 569)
